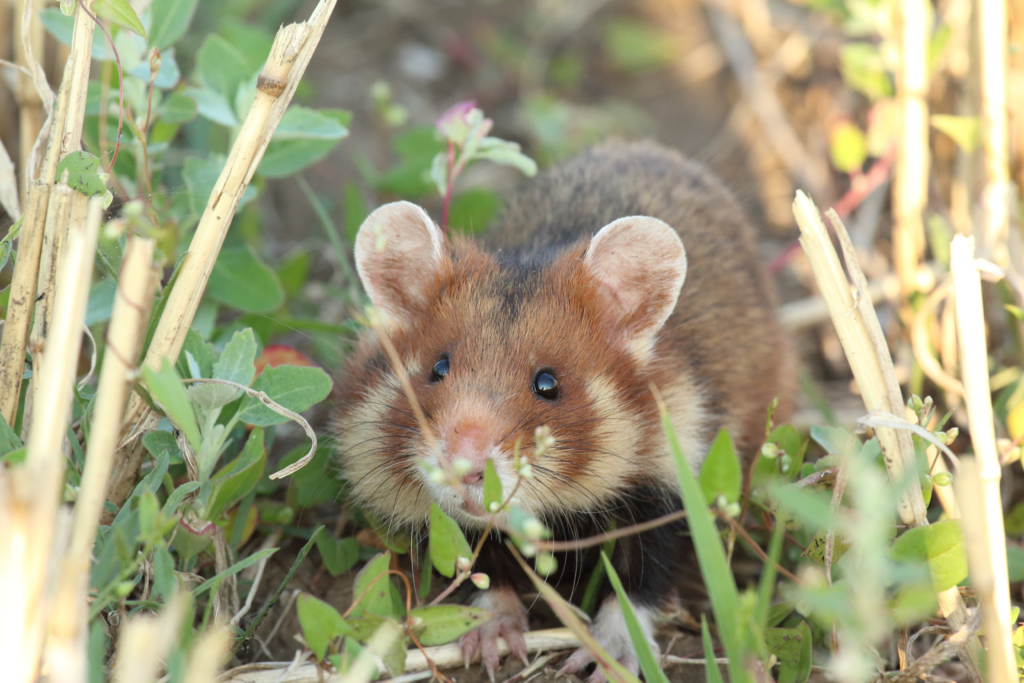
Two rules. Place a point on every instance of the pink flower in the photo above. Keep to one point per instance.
(454, 123)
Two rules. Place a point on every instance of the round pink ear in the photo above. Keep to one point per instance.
(398, 250)
(640, 264)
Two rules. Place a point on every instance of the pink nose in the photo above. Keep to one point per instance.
(471, 440)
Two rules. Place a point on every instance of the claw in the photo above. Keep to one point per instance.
(508, 623)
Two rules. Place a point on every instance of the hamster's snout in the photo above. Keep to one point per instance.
(472, 440)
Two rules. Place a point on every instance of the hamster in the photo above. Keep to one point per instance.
(626, 267)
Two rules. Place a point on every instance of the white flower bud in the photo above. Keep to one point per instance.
(463, 564)
(942, 478)
(461, 466)
(770, 450)
(480, 580)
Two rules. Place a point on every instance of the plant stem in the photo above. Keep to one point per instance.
(449, 188)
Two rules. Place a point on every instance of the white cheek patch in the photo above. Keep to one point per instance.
(609, 628)
(451, 501)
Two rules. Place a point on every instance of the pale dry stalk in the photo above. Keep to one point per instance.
(145, 642)
(860, 335)
(292, 49)
(30, 103)
(209, 655)
(993, 233)
(978, 484)
(66, 646)
(910, 185)
(39, 483)
(70, 102)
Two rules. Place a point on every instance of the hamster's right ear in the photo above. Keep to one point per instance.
(398, 251)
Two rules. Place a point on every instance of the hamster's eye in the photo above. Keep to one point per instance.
(545, 385)
(440, 370)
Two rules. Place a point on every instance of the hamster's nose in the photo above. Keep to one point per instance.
(472, 441)
(474, 477)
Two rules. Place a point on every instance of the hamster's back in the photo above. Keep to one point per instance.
(723, 332)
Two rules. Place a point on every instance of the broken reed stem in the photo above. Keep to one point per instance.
(22, 297)
(68, 639)
(290, 54)
(38, 484)
(66, 205)
(146, 640)
(910, 184)
(979, 488)
(992, 27)
(30, 104)
(871, 363)
(24, 283)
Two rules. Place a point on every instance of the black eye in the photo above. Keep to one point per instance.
(440, 370)
(545, 385)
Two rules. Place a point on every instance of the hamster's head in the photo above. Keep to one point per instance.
(493, 348)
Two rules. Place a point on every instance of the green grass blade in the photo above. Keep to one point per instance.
(711, 556)
(767, 586)
(711, 671)
(644, 653)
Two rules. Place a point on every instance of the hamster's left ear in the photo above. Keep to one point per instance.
(399, 251)
(640, 265)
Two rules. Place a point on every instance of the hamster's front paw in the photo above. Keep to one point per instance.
(609, 630)
(509, 622)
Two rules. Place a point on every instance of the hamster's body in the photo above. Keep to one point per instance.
(565, 316)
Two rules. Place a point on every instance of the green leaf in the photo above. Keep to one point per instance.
(1015, 562)
(83, 173)
(711, 557)
(409, 178)
(240, 279)
(940, 546)
(712, 673)
(287, 157)
(447, 542)
(236, 360)
(9, 441)
(788, 439)
(62, 27)
(294, 272)
(634, 45)
(382, 599)
(792, 648)
(171, 19)
(204, 354)
(120, 13)
(506, 153)
(178, 108)
(816, 548)
(848, 147)
(165, 387)
(965, 130)
(164, 580)
(648, 660)
(720, 474)
(294, 387)
(303, 123)
(220, 66)
(201, 177)
(492, 485)
(315, 483)
(442, 624)
(339, 555)
(320, 624)
(212, 105)
(160, 443)
(238, 477)
(473, 210)
(864, 69)
(232, 570)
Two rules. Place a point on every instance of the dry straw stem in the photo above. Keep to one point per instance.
(39, 483)
(443, 656)
(209, 656)
(858, 330)
(145, 642)
(71, 101)
(979, 489)
(30, 101)
(293, 48)
(992, 25)
(910, 185)
(124, 336)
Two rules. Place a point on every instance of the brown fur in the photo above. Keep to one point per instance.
(523, 300)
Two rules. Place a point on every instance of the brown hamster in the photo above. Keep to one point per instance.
(625, 267)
